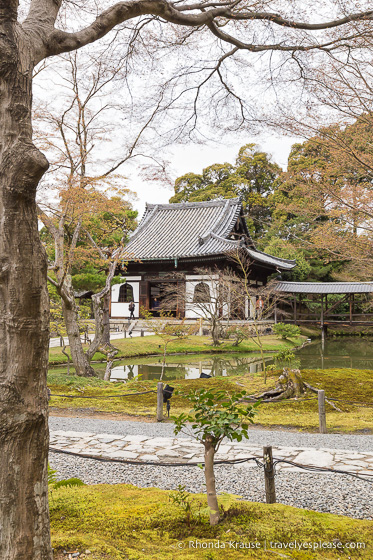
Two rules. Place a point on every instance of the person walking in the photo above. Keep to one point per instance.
(131, 308)
(259, 308)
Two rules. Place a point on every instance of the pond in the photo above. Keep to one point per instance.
(341, 352)
(185, 367)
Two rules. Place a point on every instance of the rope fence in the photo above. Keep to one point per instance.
(369, 405)
(268, 463)
(164, 395)
(366, 478)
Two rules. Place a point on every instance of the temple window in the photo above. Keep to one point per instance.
(202, 293)
(125, 293)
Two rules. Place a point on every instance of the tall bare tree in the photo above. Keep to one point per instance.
(72, 139)
(24, 43)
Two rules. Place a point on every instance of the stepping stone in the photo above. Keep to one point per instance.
(91, 451)
(315, 458)
(107, 439)
(167, 453)
(356, 463)
(135, 438)
(186, 443)
(134, 447)
(159, 442)
(344, 456)
(225, 448)
(74, 434)
(123, 455)
(149, 458)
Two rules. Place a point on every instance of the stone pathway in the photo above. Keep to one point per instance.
(143, 448)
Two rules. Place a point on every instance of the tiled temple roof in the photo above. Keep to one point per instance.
(193, 229)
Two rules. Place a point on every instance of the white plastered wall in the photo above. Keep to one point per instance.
(195, 311)
(121, 309)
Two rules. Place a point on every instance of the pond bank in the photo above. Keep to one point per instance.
(153, 346)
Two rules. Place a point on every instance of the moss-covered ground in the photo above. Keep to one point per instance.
(153, 345)
(123, 522)
(344, 384)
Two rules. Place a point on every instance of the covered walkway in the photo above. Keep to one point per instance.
(313, 302)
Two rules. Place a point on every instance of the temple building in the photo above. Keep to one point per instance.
(174, 239)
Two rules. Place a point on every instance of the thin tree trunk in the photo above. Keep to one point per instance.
(24, 312)
(106, 319)
(164, 360)
(212, 500)
(78, 356)
(215, 333)
(100, 303)
(111, 353)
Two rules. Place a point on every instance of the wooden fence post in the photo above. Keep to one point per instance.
(159, 401)
(322, 415)
(269, 475)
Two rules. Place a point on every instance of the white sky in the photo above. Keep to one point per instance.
(194, 158)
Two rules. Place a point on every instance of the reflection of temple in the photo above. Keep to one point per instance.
(216, 366)
(180, 238)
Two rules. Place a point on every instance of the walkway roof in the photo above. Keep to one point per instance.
(325, 287)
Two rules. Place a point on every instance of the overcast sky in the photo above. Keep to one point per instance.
(194, 158)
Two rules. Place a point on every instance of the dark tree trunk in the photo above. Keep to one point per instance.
(24, 311)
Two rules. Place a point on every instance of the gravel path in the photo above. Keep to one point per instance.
(257, 437)
(337, 494)
(325, 493)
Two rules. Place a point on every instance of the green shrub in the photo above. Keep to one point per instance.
(286, 331)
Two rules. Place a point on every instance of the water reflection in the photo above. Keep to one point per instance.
(176, 368)
(342, 352)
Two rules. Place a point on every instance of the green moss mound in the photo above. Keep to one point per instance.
(344, 384)
(122, 522)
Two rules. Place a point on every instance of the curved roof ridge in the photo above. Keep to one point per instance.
(222, 228)
(146, 217)
(201, 204)
(208, 234)
(287, 261)
(228, 241)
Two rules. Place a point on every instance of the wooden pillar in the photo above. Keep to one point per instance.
(159, 401)
(350, 302)
(295, 308)
(322, 415)
(323, 328)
